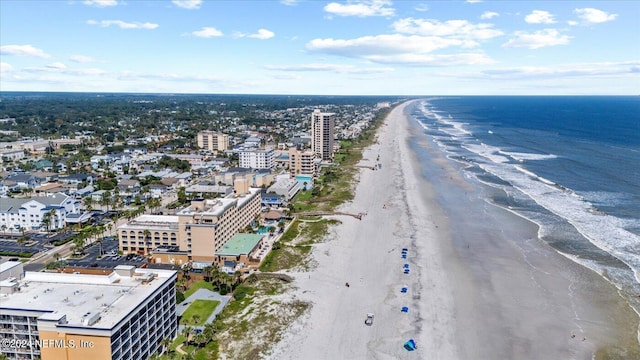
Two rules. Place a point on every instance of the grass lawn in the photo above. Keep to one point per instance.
(201, 284)
(202, 308)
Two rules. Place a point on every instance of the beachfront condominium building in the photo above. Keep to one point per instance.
(55, 316)
(322, 133)
(213, 141)
(257, 159)
(301, 162)
(37, 213)
(199, 229)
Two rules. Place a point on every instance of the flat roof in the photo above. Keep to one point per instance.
(113, 296)
(8, 265)
(240, 244)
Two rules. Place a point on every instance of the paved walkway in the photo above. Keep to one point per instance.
(203, 294)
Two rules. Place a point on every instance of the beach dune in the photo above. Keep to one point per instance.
(479, 285)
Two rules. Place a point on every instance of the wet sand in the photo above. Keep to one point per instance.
(481, 285)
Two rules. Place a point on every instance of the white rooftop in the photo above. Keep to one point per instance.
(113, 296)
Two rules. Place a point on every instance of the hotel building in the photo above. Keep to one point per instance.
(213, 141)
(123, 315)
(257, 159)
(28, 214)
(301, 162)
(199, 229)
(322, 133)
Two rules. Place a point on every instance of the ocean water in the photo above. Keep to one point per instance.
(569, 164)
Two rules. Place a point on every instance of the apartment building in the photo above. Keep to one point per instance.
(301, 162)
(199, 229)
(257, 159)
(322, 133)
(28, 214)
(213, 141)
(123, 315)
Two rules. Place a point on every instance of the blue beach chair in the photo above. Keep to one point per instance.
(406, 266)
(404, 255)
(405, 309)
(410, 345)
(406, 271)
(403, 290)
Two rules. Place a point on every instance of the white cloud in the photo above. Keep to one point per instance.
(474, 1)
(594, 16)
(289, 2)
(337, 68)
(207, 32)
(123, 25)
(451, 28)
(489, 15)
(564, 70)
(539, 17)
(81, 58)
(100, 3)
(262, 34)
(57, 66)
(538, 39)
(434, 60)
(572, 23)
(361, 8)
(5, 67)
(23, 50)
(400, 49)
(421, 7)
(187, 4)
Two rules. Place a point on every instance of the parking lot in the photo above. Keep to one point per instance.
(109, 260)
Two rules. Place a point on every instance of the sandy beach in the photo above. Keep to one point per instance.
(480, 285)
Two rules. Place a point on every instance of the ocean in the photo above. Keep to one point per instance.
(569, 164)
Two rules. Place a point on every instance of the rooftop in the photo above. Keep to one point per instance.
(240, 244)
(112, 296)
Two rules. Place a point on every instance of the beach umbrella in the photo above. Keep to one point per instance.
(405, 309)
(404, 290)
(406, 266)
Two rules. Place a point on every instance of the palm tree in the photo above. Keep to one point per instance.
(166, 342)
(4, 228)
(88, 203)
(21, 241)
(187, 331)
(195, 319)
(48, 218)
(147, 240)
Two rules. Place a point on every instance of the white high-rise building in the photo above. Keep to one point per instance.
(257, 159)
(322, 133)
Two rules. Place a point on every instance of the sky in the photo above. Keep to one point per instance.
(357, 47)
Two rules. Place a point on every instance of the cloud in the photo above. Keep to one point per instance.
(262, 34)
(100, 3)
(474, 1)
(461, 29)
(81, 58)
(207, 32)
(289, 2)
(23, 50)
(187, 4)
(594, 16)
(400, 49)
(361, 8)
(57, 66)
(434, 60)
(538, 39)
(336, 68)
(489, 15)
(5, 67)
(123, 25)
(421, 7)
(539, 17)
(601, 69)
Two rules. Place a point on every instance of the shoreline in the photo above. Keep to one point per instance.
(464, 301)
